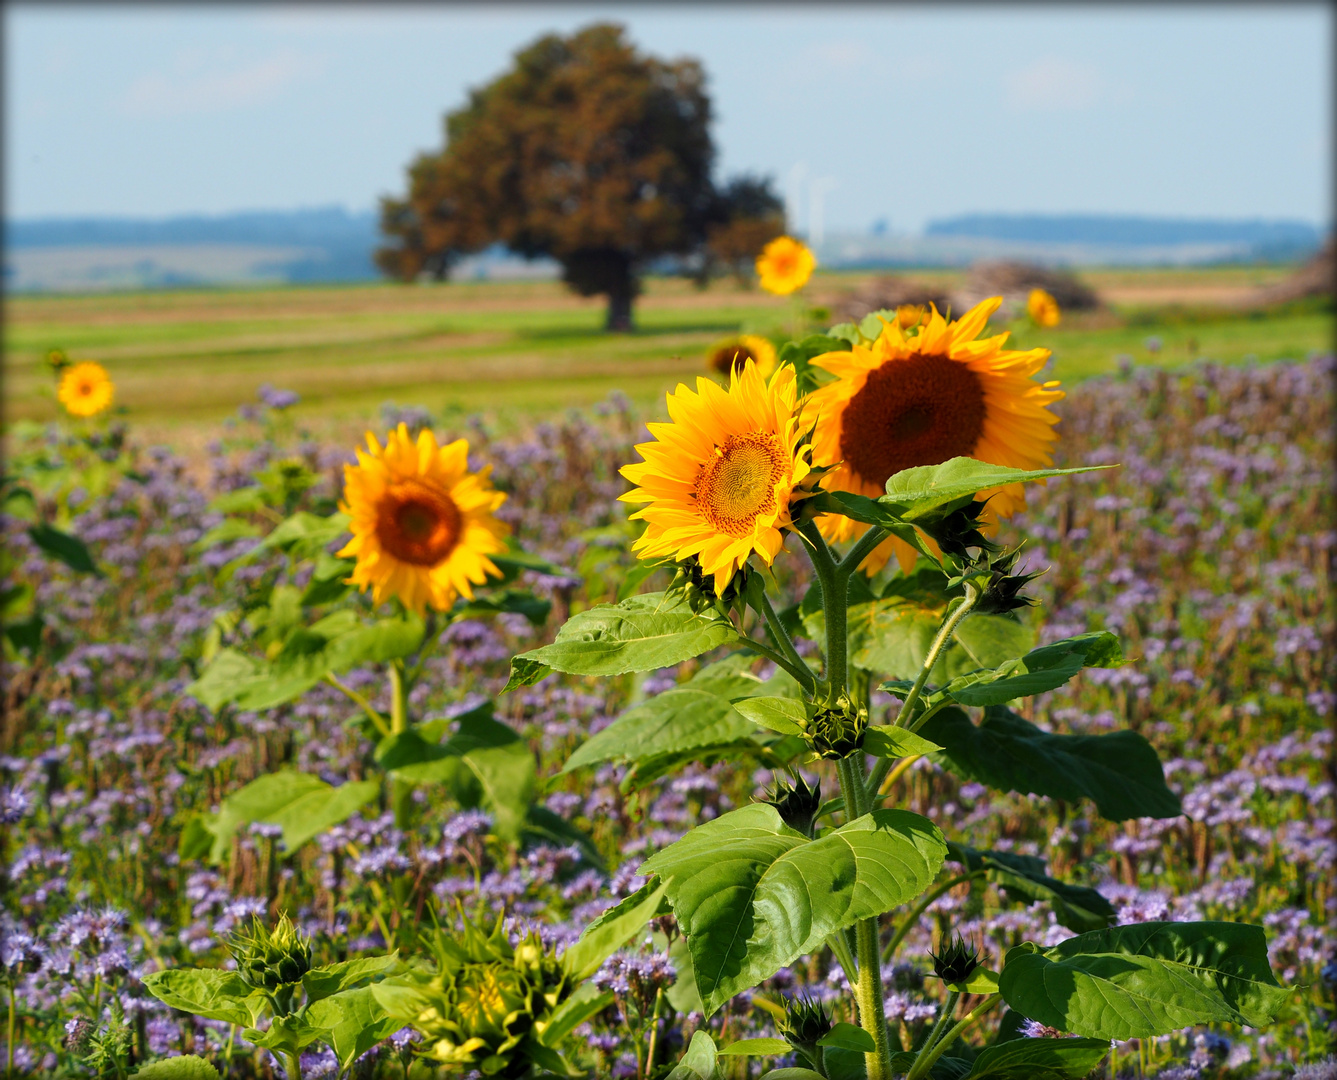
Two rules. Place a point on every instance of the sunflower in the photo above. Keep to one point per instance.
(1042, 308)
(422, 523)
(85, 389)
(731, 353)
(718, 480)
(909, 315)
(784, 265)
(904, 401)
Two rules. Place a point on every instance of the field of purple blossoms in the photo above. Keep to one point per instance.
(1209, 553)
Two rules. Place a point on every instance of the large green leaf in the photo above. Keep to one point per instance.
(588, 1001)
(896, 742)
(694, 714)
(1023, 877)
(611, 930)
(302, 804)
(1023, 1059)
(352, 1022)
(642, 633)
(993, 640)
(1146, 979)
(752, 895)
(892, 636)
(484, 763)
(1041, 669)
(323, 982)
(913, 494)
(208, 992)
(1119, 772)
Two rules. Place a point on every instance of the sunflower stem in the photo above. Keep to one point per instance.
(932, 1056)
(865, 546)
(782, 638)
(933, 1045)
(835, 592)
(944, 635)
(362, 703)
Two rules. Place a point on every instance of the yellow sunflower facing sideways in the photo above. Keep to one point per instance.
(422, 523)
(718, 479)
(1042, 308)
(732, 353)
(784, 265)
(85, 389)
(904, 401)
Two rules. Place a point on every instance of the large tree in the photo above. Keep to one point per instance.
(586, 151)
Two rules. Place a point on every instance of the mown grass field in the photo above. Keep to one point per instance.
(183, 360)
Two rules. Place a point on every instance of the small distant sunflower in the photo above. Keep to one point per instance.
(910, 315)
(732, 353)
(718, 480)
(1042, 308)
(85, 389)
(905, 401)
(784, 265)
(422, 523)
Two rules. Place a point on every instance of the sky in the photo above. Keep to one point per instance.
(897, 113)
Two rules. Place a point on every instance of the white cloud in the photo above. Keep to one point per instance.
(190, 89)
(1053, 84)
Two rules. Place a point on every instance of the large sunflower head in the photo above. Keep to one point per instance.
(920, 399)
(717, 481)
(422, 523)
(731, 354)
(784, 265)
(85, 389)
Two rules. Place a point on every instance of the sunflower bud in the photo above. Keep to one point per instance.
(270, 959)
(837, 732)
(957, 962)
(698, 588)
(805, 1022)
(959, 530)
(797, 805)
(57, 359)
(1002, 589)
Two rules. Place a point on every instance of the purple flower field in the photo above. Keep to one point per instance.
(1209, 553)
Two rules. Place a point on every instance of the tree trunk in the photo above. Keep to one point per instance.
(619, 306)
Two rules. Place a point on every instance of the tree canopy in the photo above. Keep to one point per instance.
(586, 151)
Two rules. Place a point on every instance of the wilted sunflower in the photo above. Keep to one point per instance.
(732, 353)
(422, 523)
(784, 265)
(85, 389)
(718, 480)
(1042, 308)
(905, 401)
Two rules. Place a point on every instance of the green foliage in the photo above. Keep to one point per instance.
(752, 895)
(642, 633)
(1022, 1059)
(1045, 668)
(183, 1067)
(1023, 877)
(1151, 978)
(1119, 772)
(303, 805)
(69, 549)
(611, 930)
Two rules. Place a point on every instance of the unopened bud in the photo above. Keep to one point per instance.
(957, 962)
(837, 731)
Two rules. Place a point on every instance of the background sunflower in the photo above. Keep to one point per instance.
(732, 353)
(422, 523)
(85, 389)
(785, 265)
(920, 399)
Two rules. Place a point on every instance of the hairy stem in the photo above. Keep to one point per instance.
(864, 547)
(927, 1061)
(360, 701)
(944, 635)
(927, 1055)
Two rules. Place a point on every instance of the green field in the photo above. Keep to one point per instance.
(182, 360)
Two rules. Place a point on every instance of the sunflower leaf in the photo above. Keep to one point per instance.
(642, 633)
(1119, 772)
(1146, 979)
(913, 494)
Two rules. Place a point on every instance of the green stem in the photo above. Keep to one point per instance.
(864, 547)
(840, 945)
(922, 907)
(868, 986)
(398, 706)
(782, 639)
(782, 662)
(362, 703)
(293, 1061)
(883, 768)
(926, 1061)
(944, 635)
(927, 1056)
(835, 589)
(9, 1050)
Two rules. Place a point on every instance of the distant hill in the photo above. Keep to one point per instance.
(1282, 239)
(325, 226)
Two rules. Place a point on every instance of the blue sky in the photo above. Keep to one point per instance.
(860, 113)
